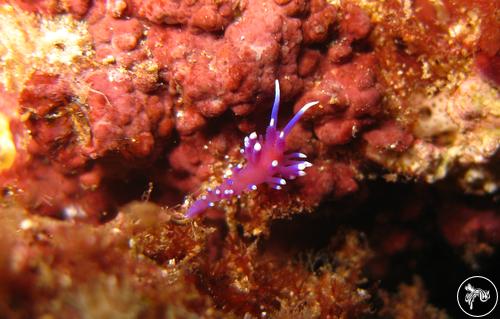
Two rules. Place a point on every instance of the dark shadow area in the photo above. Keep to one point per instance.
(403, 225)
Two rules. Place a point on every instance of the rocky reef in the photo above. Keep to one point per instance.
(116, 115)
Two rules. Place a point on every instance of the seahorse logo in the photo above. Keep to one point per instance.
(484, 295)
(477, 296)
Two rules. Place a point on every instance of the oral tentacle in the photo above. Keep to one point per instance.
(296, 163)
(276, 181)
(295, 155)
(295, 169)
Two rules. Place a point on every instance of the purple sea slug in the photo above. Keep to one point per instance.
(266, 162)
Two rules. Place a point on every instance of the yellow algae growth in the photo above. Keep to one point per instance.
(7, 147)
(458, 127)
(30, 42)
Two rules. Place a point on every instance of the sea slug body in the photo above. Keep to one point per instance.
(266, 162)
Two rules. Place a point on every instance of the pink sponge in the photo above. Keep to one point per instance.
(266, 162)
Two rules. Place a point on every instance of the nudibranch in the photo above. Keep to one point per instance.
(266, 162)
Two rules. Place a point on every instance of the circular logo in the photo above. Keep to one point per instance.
(477, 296)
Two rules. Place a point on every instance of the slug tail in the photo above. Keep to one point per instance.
(196, 208)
